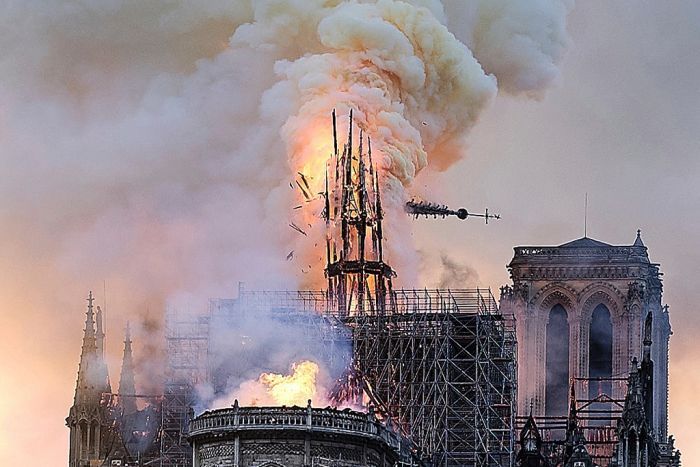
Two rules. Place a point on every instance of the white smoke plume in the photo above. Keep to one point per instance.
(519, 42)
(264, 356)
(151, 144)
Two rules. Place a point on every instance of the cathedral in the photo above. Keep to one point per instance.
(592, 359)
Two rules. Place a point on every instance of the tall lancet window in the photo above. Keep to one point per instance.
(600, 346)
(600, 349)
(557, 364)
(84, 451)
(94, 445)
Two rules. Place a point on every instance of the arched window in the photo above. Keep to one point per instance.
(557, 362)
(83, 450)
(600, 349)
(94, 442)
(632, 449)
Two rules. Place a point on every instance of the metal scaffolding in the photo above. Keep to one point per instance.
(440, 364)
(593, 412)
(187, 363)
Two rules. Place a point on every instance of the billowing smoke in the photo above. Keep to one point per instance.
(521, 43)
(151, 144)
(263, 355)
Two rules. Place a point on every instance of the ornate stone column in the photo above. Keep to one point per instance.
(584, 330)
(662, 335)
(620, 363)
(540, 364)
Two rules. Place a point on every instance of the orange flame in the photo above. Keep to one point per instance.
(294, 389)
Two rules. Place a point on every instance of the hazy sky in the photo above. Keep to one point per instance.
(621, 124)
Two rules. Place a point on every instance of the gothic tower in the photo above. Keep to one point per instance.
(580, 309)
(88, 419)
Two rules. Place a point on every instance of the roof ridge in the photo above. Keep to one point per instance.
(584, 242)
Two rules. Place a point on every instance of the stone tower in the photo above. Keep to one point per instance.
(580, 309)
(88, 420)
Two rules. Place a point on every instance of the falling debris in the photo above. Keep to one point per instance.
(298, 207)
(304, 181)
(421, 208)
(290, 256)
(303, 191)
(297, 228)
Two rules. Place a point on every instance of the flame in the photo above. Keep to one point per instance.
(310, 151)
(310, 148)
(294, 389)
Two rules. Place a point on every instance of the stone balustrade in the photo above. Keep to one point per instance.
(293, 418)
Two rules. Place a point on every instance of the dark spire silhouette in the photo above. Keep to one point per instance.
(127, 386)
(93, 379)
(87, 418)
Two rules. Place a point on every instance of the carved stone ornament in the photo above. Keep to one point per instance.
(635, 291)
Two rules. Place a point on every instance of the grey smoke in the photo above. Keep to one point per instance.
(456, 275)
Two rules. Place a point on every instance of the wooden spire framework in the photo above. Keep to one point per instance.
(359, 280)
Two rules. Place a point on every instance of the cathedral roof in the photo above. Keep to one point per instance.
(583, 252)
(584, 242)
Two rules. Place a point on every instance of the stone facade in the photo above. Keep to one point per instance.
(291, 437)
(579, 276)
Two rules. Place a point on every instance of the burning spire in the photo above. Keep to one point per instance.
(358, 278)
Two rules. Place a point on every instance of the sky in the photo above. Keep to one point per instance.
(619, 122)
(621, 125)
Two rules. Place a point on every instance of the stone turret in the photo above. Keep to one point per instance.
(530, 454)
(127, 386)
(87, 419)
